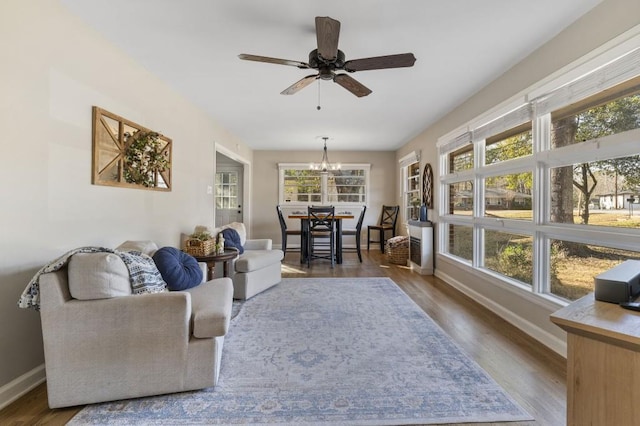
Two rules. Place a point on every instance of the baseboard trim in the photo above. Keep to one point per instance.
(552, 342)
(21, 385)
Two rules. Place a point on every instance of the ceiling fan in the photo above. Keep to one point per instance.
(328, 59)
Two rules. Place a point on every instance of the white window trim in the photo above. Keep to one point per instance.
(405, 162)
(324, 179)
(583, 75)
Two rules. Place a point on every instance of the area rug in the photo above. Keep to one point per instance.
(329, 351)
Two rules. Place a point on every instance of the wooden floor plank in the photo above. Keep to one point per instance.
(530, 372)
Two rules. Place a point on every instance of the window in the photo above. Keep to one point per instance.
(411, 189)
(226, 190)
(509, 254)
(509, 196)
(461, 160)
(574, 265)
(412, 192)
(508, 146)
(461, 198)
(347, 185)
(460, 241)
(300, 185)
(608, 113)
(546, 195)
(597, 193)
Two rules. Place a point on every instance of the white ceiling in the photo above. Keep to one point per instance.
(460, 46)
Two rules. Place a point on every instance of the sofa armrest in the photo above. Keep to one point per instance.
(211, 308)
(258, 244)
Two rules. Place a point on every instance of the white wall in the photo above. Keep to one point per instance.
(54, 69)
(605, 22)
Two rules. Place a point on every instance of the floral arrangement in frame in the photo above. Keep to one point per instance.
(126, 154)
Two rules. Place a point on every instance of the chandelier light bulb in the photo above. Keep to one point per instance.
(324, 166)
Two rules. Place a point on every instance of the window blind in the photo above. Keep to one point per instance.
(615, 72)
(455, 143)
(508, 121)
(410, 158)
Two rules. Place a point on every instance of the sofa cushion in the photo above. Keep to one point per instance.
(146, 247)
(178, 269)
(253, 260)
(211, 308)
(232, 239)
(98, 276)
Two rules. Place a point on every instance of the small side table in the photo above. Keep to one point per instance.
(211, 259)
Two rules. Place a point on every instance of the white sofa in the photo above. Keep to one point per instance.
(255, 270)
(122, 346)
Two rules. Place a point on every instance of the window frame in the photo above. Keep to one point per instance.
(508, 118)
(219, 191)
(324, 184)
(407, 163)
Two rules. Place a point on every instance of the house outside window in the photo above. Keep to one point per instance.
(299, 185)
(542, 196)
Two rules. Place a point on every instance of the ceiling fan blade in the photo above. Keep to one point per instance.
(380, 62)
(352, 85)
(327, 33)
(299, 85)
(276, 61)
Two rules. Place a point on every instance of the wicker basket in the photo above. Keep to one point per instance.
(398, 250)
(196, 247)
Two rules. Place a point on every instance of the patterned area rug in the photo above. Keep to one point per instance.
(329, 351)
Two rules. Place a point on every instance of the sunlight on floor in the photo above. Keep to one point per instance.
(408, 268)
(291, 270)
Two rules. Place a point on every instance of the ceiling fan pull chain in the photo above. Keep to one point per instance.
(318, 108)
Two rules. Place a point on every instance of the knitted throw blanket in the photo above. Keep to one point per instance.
(143, 274)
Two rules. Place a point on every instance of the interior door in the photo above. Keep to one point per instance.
(228, 194)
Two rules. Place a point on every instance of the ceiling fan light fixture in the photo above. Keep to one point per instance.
(326, 74)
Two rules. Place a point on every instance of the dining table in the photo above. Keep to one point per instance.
(304, 227)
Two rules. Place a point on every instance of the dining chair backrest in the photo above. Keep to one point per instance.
(361, 219)
(283, 224)
(321, 218)
(389, 215)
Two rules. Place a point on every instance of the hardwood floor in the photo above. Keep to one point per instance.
(531, 373)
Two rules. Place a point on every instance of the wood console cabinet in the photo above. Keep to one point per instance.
(603, 362)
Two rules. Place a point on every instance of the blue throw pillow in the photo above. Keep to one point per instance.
(178, 269)
(232, 239)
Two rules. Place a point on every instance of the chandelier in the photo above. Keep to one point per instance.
(324, 166)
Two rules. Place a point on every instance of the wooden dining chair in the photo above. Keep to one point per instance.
(388, 220)
(356, 232)
(322, 225)
(284, 230)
